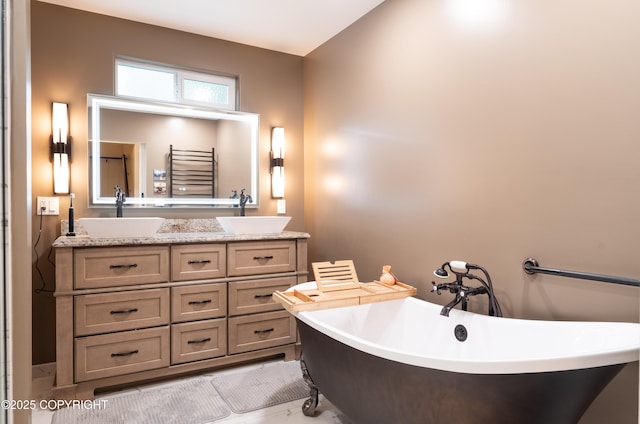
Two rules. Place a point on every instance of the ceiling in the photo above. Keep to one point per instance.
(291, 26)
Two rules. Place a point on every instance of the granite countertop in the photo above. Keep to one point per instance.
(172, 231)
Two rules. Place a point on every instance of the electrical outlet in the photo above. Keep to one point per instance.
(47, 206)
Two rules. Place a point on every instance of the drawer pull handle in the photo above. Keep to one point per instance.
(257, 258)
(203, 261)
(262, 296)
(268, 330)
(208, 339)
(199, 302)
(123, 266)
(124, 311)
(133, 352)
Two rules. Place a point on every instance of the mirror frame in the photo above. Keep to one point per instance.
(96, 102)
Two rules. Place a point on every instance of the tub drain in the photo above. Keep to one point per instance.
(460, 332)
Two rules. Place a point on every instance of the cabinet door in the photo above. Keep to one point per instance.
(202, 301)
(109, 312)
(120, 266)
(193, 341)
(198, 261)
(260, 331)
(249, 297)
(268, 257)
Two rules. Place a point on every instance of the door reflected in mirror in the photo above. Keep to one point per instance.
(166, 155)
(122, 164)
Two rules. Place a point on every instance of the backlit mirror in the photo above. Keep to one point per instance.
(165, 155)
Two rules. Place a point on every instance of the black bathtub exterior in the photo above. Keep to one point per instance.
(369, 389)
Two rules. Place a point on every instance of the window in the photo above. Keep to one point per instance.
(145, 81)
(207, 89)
(168, 84)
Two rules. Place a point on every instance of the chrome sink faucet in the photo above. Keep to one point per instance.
(120, 198)
(244, 198)
(462, 292)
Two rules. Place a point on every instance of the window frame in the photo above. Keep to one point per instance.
(180, 74)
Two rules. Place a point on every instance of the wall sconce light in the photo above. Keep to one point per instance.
(60, 147)
(277, 162)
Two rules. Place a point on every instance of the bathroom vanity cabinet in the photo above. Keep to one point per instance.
(170, 305)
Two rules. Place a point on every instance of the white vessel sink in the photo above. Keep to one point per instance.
(121, 227)
(253, 224)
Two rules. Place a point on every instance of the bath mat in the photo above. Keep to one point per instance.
(193, 402)
(271, 384)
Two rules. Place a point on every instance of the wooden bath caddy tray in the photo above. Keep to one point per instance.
(338, 286)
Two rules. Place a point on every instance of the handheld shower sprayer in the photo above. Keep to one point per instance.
(459, 268)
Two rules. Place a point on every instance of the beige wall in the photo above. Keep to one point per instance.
(429, 137)
(73, 54)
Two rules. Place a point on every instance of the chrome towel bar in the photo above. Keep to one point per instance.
(531, 266)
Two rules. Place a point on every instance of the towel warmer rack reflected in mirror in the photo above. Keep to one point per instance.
(191, 172)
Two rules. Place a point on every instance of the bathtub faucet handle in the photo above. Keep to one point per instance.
(435, 288)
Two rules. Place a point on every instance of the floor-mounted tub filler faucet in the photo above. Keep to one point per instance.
(462, 292)
(244, 198)
(120, 198)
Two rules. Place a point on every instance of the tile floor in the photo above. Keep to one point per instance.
(290, 412)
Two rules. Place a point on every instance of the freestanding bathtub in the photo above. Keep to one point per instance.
(400, 361)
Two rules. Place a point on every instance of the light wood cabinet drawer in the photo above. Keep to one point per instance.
(120, 266)
(251, 258)
(108, 355)
(260, 331)
(198, 261)
(249, 297)
(201, 301)
(109, 312)
(194, 341)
